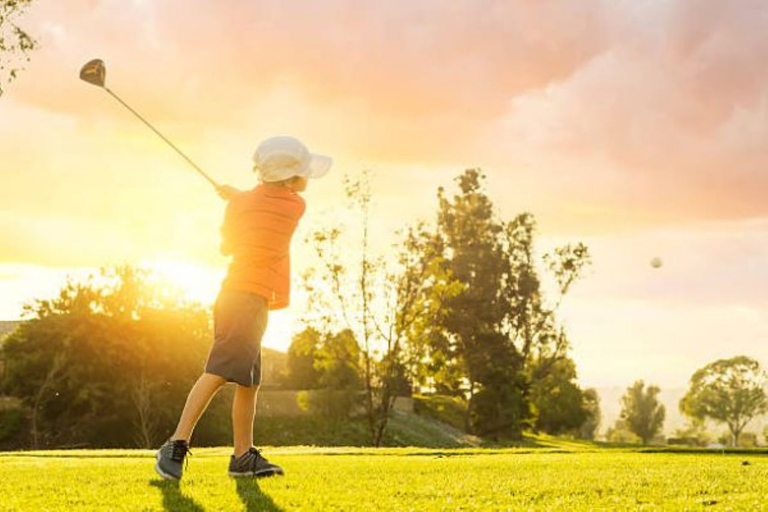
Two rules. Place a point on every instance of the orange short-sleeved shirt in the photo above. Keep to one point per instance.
(257, 231)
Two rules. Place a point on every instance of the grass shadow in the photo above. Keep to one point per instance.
(174, 499)
(253, 497)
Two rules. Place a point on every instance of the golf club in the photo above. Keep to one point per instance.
(94, 72)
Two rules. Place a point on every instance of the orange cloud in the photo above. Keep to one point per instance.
(652, 111)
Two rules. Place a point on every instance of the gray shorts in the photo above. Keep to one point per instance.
(239, 322)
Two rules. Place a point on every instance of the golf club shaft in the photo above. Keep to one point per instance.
(193, 164)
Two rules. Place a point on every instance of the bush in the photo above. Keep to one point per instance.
(13, 422)
(682, 441)
(747, 440)
(620, 434)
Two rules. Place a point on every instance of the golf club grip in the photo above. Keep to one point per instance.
(193, 164)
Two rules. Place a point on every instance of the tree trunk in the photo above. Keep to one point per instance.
(470, 404)
(142, 400)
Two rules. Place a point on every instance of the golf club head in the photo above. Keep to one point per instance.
(94, 72)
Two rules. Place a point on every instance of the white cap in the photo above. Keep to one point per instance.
(280, 158)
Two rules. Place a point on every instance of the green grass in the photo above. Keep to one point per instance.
(561, 477)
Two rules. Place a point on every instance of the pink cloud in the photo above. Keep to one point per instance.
(668, 98)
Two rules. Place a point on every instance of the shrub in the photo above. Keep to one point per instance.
(12, 426)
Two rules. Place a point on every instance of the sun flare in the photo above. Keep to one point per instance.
(199, 283)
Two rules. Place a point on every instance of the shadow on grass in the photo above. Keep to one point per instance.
(253, 497)
(173, 498)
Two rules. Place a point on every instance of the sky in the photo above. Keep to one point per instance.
(639, 128)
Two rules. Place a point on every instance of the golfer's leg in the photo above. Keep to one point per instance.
(197, 401)
(243, 410)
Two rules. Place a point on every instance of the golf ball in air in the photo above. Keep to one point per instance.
(656, 262)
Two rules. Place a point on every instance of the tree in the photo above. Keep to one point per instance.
(559, 402)
(588, 429)
(642, 412)
(323, 361)
(302, 353)
(374, 297)
(429, 354)
(338, 362)
(729, 391)
(497, 336)
(106, 354)
(15, 43)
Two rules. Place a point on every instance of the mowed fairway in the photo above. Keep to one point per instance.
(391, 479)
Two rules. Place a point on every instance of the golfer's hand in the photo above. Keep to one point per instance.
(226, 192)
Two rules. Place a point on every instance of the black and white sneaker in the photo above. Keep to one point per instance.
(252, 463)
(170, 459)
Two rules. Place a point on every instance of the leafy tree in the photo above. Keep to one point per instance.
(15, 43)
(374, 297)
(591, 404)
(338, 361)
(106, 363)
(323, 361)
(558, 401)
(642, 412)
(729, 391)
(497, 336)
(302, 353)
(429, 354)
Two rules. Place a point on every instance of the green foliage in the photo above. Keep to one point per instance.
(323, 361)
(591, 404)
(747, 440)
(107, 363)
(301, 371)
(375, 298)
(495, 338)
(499, 411)
(559, 403)
(337, 361)
(642, 412)
(692, 434)
(15, 43)
(729, 391)
(11, 423)
(462, 310)
(621, 434)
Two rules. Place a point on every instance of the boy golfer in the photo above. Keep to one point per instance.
(257, 230)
